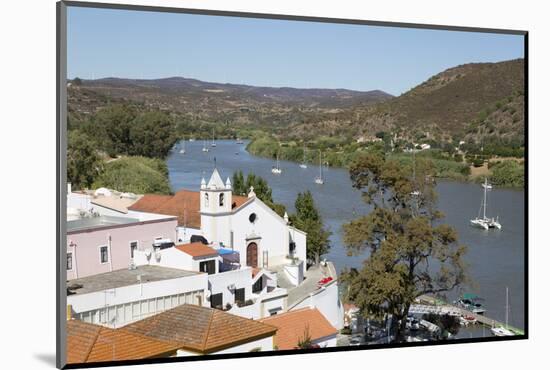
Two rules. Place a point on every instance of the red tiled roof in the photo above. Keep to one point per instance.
(94, 343)
(197, 249)
(201, 329)
(293, 327)
(185, 204)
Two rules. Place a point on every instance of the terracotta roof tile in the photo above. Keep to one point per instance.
(94, 343)
(197, 249)
(201, 329)
(185, 204)
(293, 325)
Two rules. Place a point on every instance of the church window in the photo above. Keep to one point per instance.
(221, 199)
(252, 218)
(206, 199)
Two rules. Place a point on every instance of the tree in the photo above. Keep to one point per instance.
(112, 126)
(152, 135)
(308, 219)
(83, 162)
(261, 189)
(411, 252)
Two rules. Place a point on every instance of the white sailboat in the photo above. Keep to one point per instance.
(204, 147)
(485, 222)
(303, 164)
(182, 150)
(503, 331)
(213, 139)
(486, 186)
(415, 192)
(277, 170)
(319, 179)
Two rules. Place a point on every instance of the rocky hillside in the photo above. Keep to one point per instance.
(472, 101)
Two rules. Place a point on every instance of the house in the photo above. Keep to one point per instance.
(182, 331)
(115, 299)
(98, 244)
(306, 324)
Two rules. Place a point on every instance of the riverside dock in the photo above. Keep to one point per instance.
(441, 307)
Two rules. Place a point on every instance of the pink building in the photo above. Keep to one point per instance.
(102, 244)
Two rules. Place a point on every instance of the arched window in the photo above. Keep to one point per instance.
(221, 199)
(206, 199)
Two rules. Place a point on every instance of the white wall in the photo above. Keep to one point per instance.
(118, 300)
(241, 278)
(327, 301)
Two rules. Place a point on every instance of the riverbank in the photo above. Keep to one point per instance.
(336, 153)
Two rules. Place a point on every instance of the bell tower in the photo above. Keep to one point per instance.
(215, 208)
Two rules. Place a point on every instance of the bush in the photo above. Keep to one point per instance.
(138, 175)
(508, 173)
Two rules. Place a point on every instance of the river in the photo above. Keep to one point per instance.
(495, 257)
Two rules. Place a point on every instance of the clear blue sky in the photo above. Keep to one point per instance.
(133, 44)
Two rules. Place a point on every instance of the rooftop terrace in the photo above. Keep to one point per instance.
(125, 277)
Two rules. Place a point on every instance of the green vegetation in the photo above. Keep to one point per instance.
(121, 130)
(308, 219)
(411, 253)
(83, 163)
(508, 173)
(138, 175)
(261, 189)
(141, 141)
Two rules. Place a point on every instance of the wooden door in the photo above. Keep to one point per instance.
(252, 255)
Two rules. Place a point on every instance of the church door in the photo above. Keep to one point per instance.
(252, 255)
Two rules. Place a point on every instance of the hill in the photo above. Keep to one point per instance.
(208, 101)
(477, 102)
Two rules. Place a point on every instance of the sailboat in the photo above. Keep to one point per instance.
(503, 331)
(182, 150)
(204, 147)
(277, 170)
(487, 186)
(319, 179)
(485, 222)
(303, 164)
(213, 139)
(414, 193)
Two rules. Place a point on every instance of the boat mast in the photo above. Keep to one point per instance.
(485, 200)
(506, 316)
(320, 165)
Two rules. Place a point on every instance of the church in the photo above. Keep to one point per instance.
(243, 224)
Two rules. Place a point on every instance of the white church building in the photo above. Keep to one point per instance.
(243, 224)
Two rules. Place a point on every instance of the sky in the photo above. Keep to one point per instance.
(261, 52)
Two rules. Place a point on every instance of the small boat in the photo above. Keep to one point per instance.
(204, 148)
(276, 170)
(503, 331)
(239, 141)
(487, 186)
(319, 179)
(191, 139)
(471, 303)
(303, 164)
(485, 222)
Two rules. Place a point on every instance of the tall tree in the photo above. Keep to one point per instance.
(152, 135)
(261, 189)
(112, 126)
(411, 252)
(83, 163)
(308, 219)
